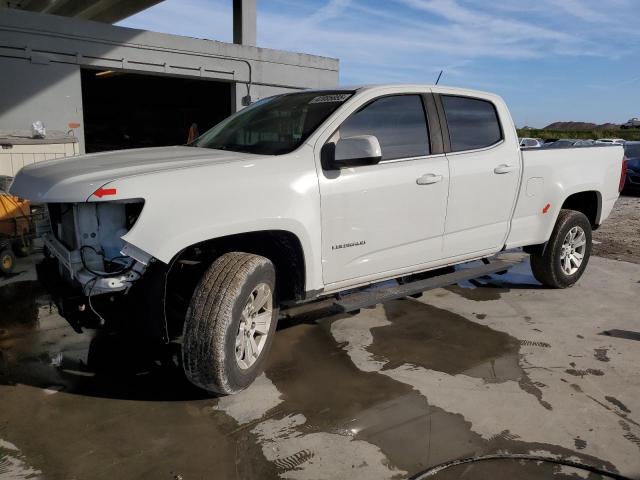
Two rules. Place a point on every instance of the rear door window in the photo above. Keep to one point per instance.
(473, 123)
(398, 122)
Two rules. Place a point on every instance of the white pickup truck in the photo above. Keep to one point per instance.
(305, 196)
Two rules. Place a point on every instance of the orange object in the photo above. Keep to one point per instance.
(74, 125)
(193, 133)
(14, 216)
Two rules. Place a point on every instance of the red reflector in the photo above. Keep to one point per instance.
(101, 192)
(546, 208)
(623, 174)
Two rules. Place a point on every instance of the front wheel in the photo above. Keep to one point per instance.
(7, 261)
(230, 323)
(567, 252)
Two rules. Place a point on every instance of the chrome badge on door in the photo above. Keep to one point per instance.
(347, 245)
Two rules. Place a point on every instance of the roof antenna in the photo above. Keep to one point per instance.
(439, 76)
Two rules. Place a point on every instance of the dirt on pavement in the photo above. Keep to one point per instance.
(619, 236)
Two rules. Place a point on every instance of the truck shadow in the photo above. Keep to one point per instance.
(631, 193)
(40, 349)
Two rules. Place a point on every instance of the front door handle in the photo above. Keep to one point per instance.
(504, 168)
(428, 179)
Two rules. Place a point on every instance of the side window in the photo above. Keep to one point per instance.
(397, 121)
(473, 123)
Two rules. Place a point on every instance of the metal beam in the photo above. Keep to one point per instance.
(107, 11)
(244, 22)
(111, 11)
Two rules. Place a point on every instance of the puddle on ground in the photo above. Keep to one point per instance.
(316, 377)
(436, 339)
(585, 372)
(13, 466)
(626, 334)
(621, 406)
(108, 409)
(100, 399)
(322, 391)
(19, 303)
(492, 287)
(601, 354)
(38, 348)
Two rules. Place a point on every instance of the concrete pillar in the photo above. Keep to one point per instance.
(244, 22)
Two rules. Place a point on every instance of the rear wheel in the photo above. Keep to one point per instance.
(7, 261)
(567, 252)
(230, 323)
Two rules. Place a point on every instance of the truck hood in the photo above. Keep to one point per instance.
(74, 179)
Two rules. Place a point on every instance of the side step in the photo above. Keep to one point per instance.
(371, 296)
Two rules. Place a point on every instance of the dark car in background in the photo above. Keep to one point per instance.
(584, 143)
(568, 143)
(561, 143)
(632, 152)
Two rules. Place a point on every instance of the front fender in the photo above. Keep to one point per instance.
(193, 205)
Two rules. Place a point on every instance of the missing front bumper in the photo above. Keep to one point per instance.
(72, 266)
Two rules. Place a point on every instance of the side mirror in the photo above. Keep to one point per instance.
(357, 151)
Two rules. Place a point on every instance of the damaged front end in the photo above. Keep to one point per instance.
(86, 239)
(94, 276)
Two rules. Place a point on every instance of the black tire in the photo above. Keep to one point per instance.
(547, 268)
(214, 320)
(7, 261)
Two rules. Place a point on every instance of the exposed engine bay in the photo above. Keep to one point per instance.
(86, 239)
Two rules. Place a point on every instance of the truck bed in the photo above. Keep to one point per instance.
(550, 176)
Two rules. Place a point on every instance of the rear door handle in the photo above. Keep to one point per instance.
(428, 179)
(504, 168)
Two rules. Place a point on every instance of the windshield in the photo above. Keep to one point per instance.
(275, 125)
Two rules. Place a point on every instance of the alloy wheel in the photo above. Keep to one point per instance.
(254, 326)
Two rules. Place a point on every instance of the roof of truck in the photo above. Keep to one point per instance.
(408, 86)
(379, 86)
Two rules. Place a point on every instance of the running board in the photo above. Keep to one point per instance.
(368, 298)
(354, 301)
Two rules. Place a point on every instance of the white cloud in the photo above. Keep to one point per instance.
(332, 9)
(437, 33)
(579, 10)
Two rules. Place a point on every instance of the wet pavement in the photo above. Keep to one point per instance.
(497, 365)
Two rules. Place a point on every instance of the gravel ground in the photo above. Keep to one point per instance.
(619, 236)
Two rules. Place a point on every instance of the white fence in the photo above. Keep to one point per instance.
(15, 156)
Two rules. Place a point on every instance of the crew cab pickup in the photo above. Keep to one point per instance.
(301, 197)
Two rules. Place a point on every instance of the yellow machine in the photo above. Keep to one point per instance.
(15, 230)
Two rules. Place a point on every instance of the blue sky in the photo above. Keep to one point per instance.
(552, 60)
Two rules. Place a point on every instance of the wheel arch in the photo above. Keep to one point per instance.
(588, 202)
(283, 248)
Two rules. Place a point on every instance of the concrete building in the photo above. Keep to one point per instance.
(118, 87)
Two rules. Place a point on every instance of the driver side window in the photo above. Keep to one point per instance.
(398, 122)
